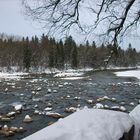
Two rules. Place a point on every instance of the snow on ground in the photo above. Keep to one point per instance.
(72, 73)
(129, 73)
(72, 78)
(68, 74)
(65, 73)
(87, 124)
(120, 68)
(59, 73)
(135, 115)
(15, 75)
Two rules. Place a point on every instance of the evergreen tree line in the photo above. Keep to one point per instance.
(49, 53)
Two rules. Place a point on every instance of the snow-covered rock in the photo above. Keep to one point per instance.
(68, 96)
(5, 119)
(10, 114)
(33, 92)
(98, 106)
(90, 101)
(106, 107)
(6, 89)
(36, 106)
(77, 98)
(132, 104)
(36, 112)
(27, 119)
(122, 108)
(5, 127)
(87, 124)
(18, 107)
(115, 107)
(103, 98)
(54, 91)
(21, 129)
(14, 129)
(106, 98)
(118, 108)
(49, 90)
(48, 109)
(66, 83)
(54, 115)
(39, 88)
(71, 109)
(113, 99)
(60, 86)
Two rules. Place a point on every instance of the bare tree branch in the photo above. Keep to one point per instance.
(109, 17)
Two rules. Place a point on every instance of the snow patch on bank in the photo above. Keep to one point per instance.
(121, 68)
(57, 73)
(129, 73)
(68, 74)
(71, 74)
(15, 75)
(72, 78)
(87, 124)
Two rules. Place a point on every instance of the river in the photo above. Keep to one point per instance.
(36, 92)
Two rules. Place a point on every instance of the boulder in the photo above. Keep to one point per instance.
(11, 114)
(13, 129)
(5, 128)
(5, 119)
(8, 133)
(20, 130)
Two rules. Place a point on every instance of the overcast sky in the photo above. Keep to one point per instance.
(13, 22)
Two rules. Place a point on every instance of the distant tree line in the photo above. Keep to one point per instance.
(48, 53)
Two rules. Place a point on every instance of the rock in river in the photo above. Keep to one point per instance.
(27, 119)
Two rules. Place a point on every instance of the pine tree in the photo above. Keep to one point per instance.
(51, 53)
(27, 56)
(68, 45)
(61, 54)
(74, 56)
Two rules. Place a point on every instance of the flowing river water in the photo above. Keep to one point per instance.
(32, 92)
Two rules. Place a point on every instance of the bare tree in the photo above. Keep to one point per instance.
(111, 18)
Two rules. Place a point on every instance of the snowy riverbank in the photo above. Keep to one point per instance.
(129, 73)
(15, 75)
(69, 73)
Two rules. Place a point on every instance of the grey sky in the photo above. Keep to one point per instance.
(13, 21)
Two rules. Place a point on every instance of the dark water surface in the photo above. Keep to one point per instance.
(92, 87)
